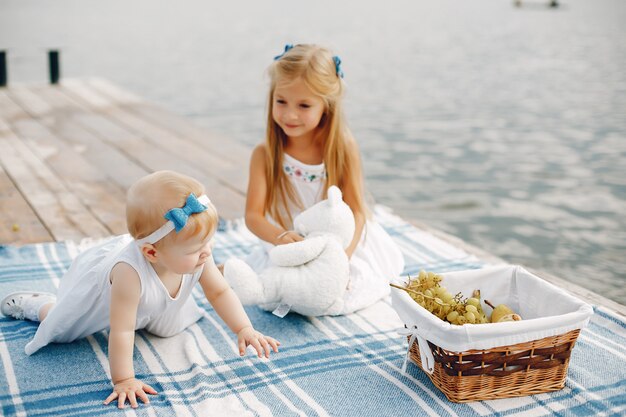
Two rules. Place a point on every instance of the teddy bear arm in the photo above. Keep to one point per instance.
(298, 253)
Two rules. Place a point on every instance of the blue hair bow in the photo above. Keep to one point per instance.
(179, 216)
(287, 48)
(337, 62)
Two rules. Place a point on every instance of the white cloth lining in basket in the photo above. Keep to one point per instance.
(426, 355)
(546, 309)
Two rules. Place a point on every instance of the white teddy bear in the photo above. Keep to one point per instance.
(310, 276)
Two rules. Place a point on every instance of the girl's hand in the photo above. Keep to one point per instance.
(288, 237)
(130, 389)
(249, 336)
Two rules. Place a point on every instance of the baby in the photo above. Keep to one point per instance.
(141, 281)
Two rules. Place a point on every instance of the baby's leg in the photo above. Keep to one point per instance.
(45, 309)
(29, 305)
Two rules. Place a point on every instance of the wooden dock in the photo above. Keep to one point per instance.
(69, 152)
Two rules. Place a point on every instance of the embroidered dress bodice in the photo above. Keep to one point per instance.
(307, 181)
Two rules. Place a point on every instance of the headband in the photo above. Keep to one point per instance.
(177, 218)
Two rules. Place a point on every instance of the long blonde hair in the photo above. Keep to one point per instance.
(316, 67)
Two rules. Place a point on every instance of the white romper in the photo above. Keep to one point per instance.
(84, 297)
(373, 264)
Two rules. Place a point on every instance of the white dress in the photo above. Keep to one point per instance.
(84, 297)
(376, 259)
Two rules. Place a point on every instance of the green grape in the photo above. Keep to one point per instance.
(427, 291)
(471, 318)
(452, 316)
(475, 302)
(471, 308)
(476, 295)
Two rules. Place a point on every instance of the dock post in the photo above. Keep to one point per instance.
(3, 68)
(53, 61)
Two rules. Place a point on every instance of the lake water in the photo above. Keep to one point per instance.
(504, 126)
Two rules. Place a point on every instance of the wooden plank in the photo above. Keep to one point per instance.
(95, 100)
(19, 223)
(32, 103)
(220, 145)
(221, 157)
(64, 123)
(158, 116)
(195, 155)
(114, 92)
(8, 111)
(215, 150)
(91, 185)
(152, 147)
(57, 207)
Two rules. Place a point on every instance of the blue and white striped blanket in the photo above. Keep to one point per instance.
(341, 366)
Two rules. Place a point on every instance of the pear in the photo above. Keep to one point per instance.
(508, 317)
(502, 313)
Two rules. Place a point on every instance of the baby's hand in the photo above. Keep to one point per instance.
(249, 336)
(130, 389)
(288, 237)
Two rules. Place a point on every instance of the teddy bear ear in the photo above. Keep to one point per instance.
(334, 195)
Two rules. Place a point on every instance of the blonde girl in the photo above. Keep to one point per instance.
(308, 147)
(141, 281)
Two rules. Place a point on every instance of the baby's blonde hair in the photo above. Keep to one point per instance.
(152, 196)
(315, 66)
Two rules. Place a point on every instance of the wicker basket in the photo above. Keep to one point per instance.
(507, 371)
